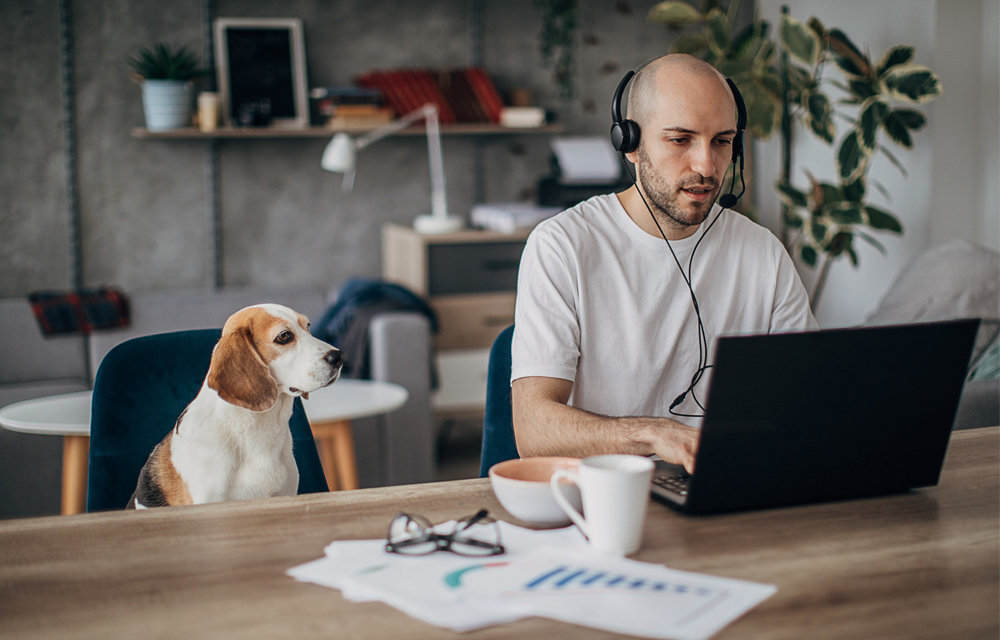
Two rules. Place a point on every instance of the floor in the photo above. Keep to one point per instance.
(459, 443)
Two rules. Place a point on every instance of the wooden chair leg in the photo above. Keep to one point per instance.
(76, 452)
(345, 455)
(335, 442)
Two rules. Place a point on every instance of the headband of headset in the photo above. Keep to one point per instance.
(625, 133)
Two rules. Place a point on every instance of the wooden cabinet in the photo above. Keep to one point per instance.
(469, 278)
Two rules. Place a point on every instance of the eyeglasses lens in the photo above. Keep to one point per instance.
(411, 535)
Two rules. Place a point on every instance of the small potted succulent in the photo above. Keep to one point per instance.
(166, 80)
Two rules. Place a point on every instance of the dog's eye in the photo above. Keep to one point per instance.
(285, 337)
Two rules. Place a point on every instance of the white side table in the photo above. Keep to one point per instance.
(330, 411)
(66, 415)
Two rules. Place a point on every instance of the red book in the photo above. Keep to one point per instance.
(459, 94)
(485, 92)
(429, 89)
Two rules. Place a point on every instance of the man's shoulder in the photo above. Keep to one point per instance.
(593, 212)
(747, 231)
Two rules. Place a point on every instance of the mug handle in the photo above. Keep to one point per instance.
(561, 500)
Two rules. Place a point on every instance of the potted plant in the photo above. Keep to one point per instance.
(166, 79)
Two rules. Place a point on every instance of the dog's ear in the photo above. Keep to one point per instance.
(238, 373)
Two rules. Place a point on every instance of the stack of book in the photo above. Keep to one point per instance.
(347, 107)
(461, 95)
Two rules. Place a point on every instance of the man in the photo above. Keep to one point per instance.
(607, 334)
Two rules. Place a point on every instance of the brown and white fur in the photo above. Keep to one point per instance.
(233, 442)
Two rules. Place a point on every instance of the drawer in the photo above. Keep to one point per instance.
(472, 321)
(473, 267)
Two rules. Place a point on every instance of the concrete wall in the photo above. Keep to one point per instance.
(953, 170)
(143, 203)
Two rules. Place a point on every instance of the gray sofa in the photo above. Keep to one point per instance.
(392, 449)
(955, 279)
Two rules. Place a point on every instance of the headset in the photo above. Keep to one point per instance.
(625, 139)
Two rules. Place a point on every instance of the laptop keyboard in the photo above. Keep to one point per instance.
(677, 484)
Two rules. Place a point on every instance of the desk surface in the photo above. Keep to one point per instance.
(68, 414)
(920, 565)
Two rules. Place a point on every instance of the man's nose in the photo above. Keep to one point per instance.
(702, 161)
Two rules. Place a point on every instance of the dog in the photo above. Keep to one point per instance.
(233, 442)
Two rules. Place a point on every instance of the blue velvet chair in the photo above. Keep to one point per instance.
(140, 389)
(498, 425)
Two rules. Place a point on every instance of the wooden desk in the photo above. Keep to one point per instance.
(920, 565)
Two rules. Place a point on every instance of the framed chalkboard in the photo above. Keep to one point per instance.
(261, 67)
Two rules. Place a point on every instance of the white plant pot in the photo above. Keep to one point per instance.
(167, 104)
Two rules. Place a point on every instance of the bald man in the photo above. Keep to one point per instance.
(606, 335)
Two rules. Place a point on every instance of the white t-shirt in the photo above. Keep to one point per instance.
(601, 303)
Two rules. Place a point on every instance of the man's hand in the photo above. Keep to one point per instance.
(676, 443)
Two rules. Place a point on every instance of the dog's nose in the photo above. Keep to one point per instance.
(333, 357)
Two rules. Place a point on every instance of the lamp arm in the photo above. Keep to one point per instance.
(396, 125)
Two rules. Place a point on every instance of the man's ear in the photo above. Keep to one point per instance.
(238, 373)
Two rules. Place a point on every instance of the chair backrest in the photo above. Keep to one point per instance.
(498, 425)
(141, 388)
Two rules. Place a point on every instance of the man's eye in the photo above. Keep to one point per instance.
(723, 141)
(285, 337)
(678, 140)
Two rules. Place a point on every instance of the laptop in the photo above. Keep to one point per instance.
(797, 418)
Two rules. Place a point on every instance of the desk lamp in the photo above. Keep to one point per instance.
(341, 155)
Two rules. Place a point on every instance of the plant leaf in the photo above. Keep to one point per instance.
(719, 31)
(818, 116)
(763, 111)
(817, 26)
(854, 191)
(851, 158)
(808, 255)
(894, 57)
(746, 36)
(894, 161)
(674, 14)
(870, 240)
(895, 128)
(872, 115)
(853, 255)
(799, 41)
(881, 189)
(839, 243)
(818, 230)
(845, 213)
(913, 119)
(793, 220)
(862, 89)
(879, 219)
(692, 43)
(848, 57)
(790, 195)
(912, 83)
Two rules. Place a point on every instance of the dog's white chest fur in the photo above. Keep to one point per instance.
(224, 452)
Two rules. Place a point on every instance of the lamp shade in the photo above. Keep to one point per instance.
(340, 154)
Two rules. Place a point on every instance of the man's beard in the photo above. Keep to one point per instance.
(663, 196)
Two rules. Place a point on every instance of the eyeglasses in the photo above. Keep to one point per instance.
(413, 535)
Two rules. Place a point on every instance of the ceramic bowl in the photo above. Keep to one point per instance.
(522, 487)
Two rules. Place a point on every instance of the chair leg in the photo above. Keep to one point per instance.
(337, 454)
(76, 451)
(345, 455)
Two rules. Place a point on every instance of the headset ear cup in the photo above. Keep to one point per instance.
(738, 146)
(630, 141)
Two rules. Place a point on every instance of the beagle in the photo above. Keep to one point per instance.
(232, 442)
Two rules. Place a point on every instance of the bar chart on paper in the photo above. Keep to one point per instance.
(616, 594)
(566, 579)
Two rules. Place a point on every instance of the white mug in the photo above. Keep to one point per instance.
(615, 490)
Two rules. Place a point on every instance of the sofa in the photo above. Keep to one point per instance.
(396, 448)
(955, 279)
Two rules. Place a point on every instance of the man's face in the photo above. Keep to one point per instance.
(685, 149)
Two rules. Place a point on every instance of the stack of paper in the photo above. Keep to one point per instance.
(508, 217)
(551, 574)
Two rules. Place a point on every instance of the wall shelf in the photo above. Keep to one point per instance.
(467, 129)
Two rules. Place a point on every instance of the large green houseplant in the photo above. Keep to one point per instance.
(787, 82)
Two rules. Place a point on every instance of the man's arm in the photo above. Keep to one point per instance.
(544, 425)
